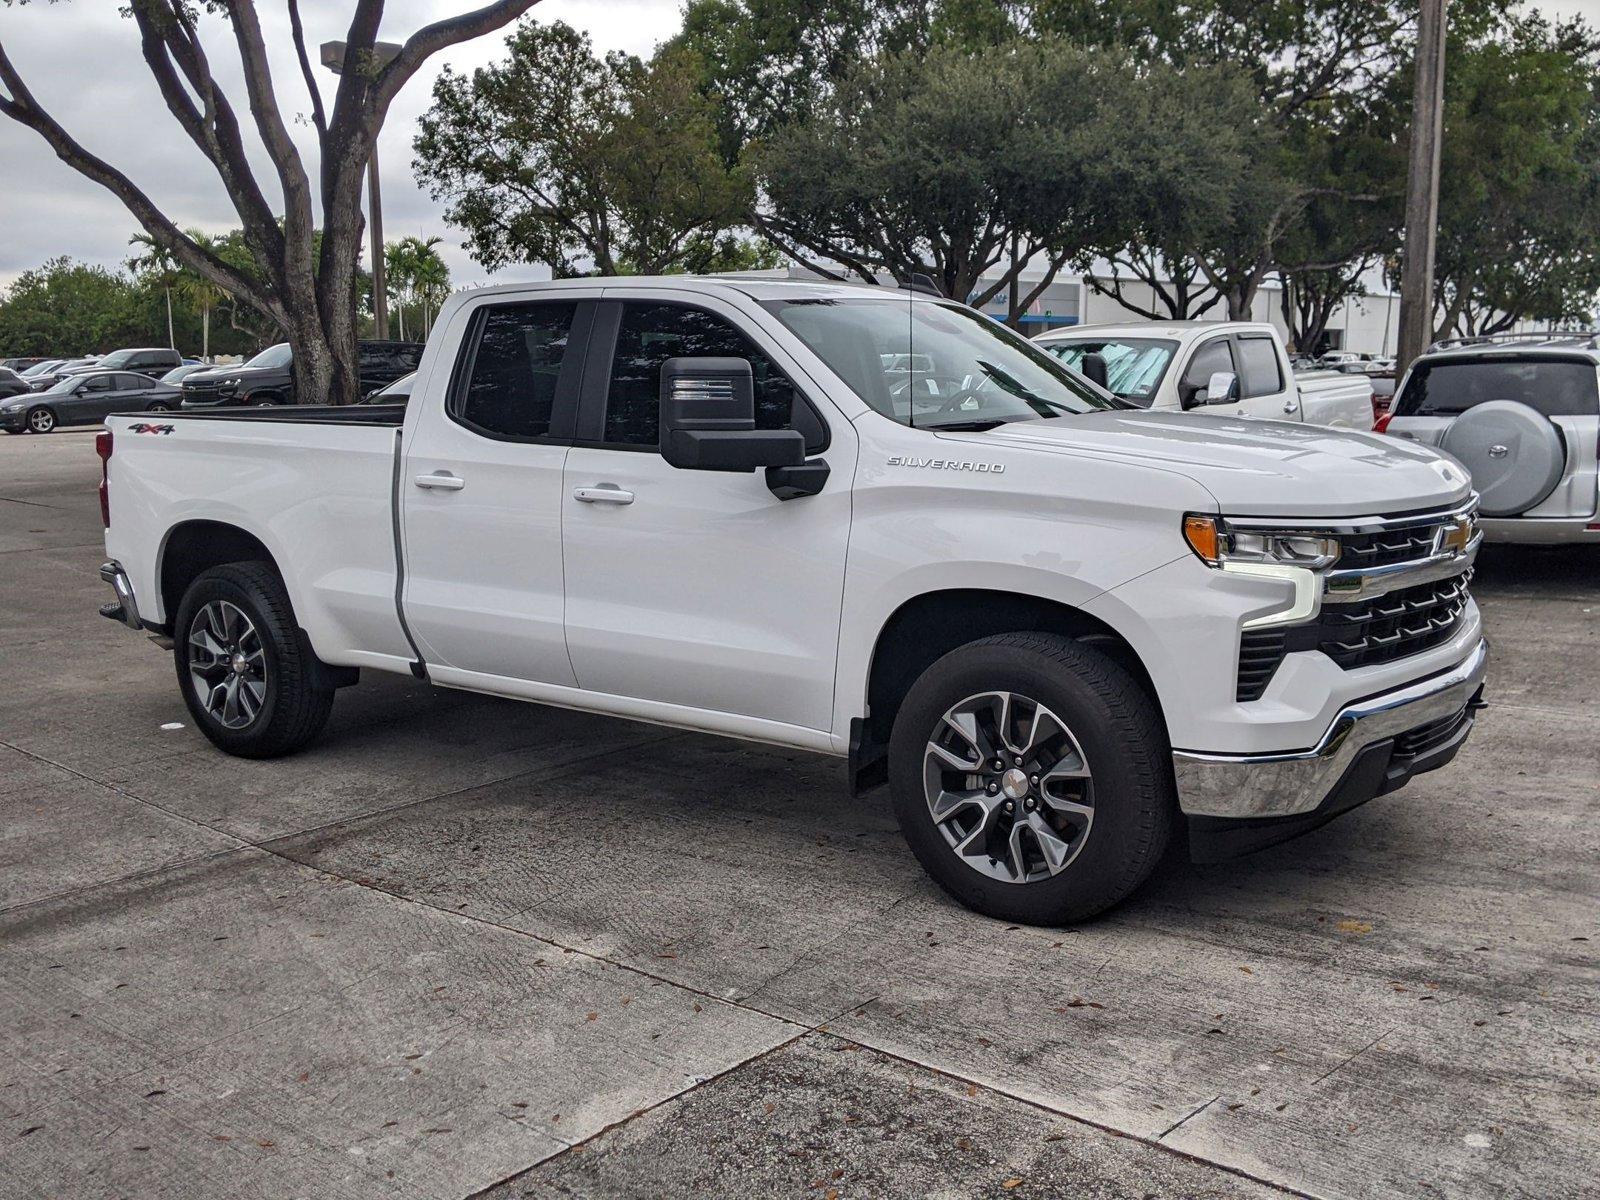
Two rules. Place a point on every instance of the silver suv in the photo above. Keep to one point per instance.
(1522, 413)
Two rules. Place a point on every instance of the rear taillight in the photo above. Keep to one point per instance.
(1381, 425)
(1380, 408)
(102, 447)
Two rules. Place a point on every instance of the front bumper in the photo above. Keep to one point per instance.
(15, 421)
(1372, 746)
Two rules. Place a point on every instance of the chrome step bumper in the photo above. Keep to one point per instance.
(124, 609)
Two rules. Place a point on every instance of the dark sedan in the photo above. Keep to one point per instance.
(12, 384)
(84, 400)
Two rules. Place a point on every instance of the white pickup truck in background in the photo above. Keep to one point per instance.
(1053, 623)
(1225, 368)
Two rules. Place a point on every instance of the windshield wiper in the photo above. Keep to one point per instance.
(976, 425)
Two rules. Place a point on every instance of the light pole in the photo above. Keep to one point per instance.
(1422, 188)
(383, 53)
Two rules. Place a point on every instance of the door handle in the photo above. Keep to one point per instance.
(604, 493)
(442, 481)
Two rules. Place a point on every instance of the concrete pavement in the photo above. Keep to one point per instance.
(464, 946)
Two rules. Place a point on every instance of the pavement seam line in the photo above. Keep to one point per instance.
(1089, 1122)
(244, 843)
(646, 1110)
(1193, 1112)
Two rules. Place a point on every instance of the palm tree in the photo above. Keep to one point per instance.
(159, 262)
(417, 275)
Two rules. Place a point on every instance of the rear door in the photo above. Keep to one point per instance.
(701, 588)
(1563, 387)
(481, 492)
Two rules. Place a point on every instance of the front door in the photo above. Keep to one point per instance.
(700, 588)
(481, 494)
(94, 398)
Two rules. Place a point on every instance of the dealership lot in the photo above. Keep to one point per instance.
(467, 946)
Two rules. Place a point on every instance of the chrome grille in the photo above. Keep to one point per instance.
(1363, 551)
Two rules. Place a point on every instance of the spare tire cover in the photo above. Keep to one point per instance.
(1515, 453)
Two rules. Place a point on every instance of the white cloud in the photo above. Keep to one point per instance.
(82, 61)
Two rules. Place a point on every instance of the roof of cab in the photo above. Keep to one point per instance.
(755, 287)
(1169, 329)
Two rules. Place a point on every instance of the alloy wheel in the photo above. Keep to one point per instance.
(1008, 787)
(41, 420)
(227, 664)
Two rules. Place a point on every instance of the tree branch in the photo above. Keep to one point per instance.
(319, 116)
(21, 107)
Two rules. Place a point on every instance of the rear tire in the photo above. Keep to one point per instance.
(248, 675)
(1097, 798)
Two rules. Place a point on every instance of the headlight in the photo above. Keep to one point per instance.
(1218, 545)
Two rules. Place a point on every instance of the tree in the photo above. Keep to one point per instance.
(1519, 204)
(156, 261)
(416, 276)
(68, 308)
(556, 156)
(958, 164)
(202, 293)
(305, 283)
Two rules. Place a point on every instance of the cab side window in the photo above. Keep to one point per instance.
(649, 334)
(506, 384)
(1215, 355)
(1261, 374)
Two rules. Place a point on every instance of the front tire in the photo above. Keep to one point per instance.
(1032, 778)
(41, 420)
(246, 672)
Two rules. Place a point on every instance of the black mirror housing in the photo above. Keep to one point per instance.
(708, 419)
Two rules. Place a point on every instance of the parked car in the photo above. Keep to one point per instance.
(153, 362)
(268, 378)
(1224, 368)
(67, 366)
(41, 367)
(20, 364)
(12, 384)
(83, 400)
(398, 392)
(1051, 621)
(1522, 414)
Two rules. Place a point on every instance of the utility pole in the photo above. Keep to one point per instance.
(1422, 187)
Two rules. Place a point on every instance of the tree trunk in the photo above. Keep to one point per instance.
(172, 342)
(205, 332)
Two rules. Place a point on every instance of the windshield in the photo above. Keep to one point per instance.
(43, 368)
(178, 373)
(64, 384)
(935, 365)
(1134, 366)
(119, 358)
(272, 356)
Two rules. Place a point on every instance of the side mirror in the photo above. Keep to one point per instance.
(1222, 388)
(708, 419)
(1094, 369)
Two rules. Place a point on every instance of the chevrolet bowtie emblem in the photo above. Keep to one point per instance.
(1454, 537)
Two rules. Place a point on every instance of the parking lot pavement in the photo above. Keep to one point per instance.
(468, 946)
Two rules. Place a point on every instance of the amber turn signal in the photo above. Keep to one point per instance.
(1204, 538)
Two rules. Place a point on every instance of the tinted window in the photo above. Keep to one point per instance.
(97, 383)
(515, 365)
(652, 333)
(1259, 369)
(1215, 355)
(128, 382)
(273, 357)
(1555, 388)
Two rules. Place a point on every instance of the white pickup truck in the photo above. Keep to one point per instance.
(1222, 368)
(1055, 624)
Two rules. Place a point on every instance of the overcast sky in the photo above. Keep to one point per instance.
(82, 61)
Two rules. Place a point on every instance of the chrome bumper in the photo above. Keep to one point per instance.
(1290, 784)
(124, 608)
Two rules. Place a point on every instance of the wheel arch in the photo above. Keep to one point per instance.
(928, 626)
(193, 546)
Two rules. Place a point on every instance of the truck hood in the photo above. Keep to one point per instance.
(1255, 467)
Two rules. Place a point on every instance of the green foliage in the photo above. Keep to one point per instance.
(556, 156)
(70, 308)
(1519, 229)
(418, 283)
